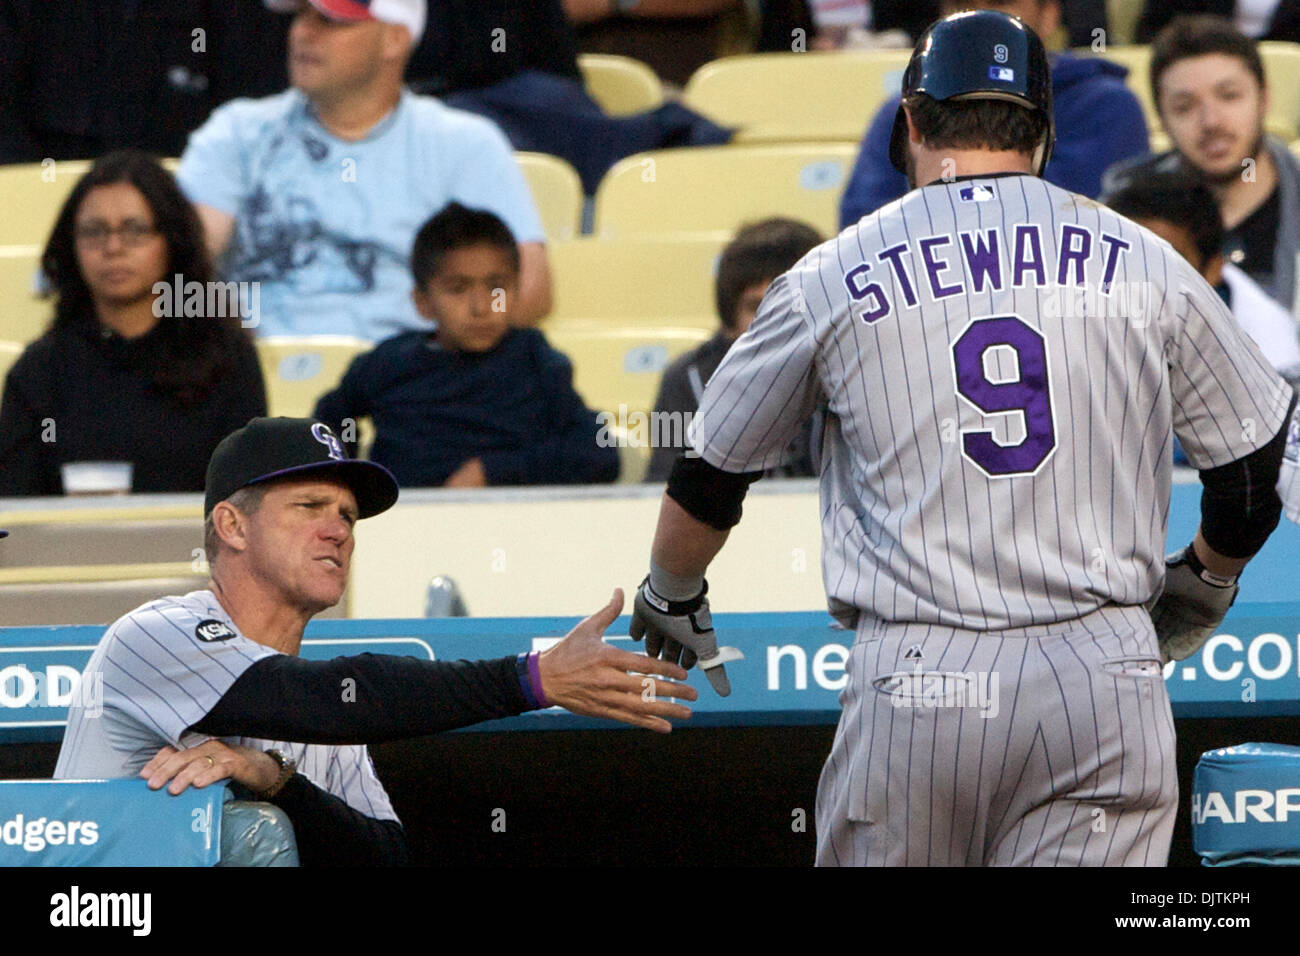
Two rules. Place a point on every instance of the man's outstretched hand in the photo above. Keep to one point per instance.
(585, 675)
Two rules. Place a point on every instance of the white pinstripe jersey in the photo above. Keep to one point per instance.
(997, 451)
(163, 667)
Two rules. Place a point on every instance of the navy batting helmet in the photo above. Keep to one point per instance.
(978, 55)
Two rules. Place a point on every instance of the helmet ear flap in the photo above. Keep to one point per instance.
(898, 141)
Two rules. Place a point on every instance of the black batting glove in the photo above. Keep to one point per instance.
(681, 632)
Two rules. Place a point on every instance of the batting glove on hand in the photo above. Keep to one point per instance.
(1191, 606)
(682, 630)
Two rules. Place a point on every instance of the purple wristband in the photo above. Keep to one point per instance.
(535, 678)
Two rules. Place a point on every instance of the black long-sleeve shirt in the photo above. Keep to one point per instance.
(288, 698)
(78, 394)
(80, 78)
(513, 408)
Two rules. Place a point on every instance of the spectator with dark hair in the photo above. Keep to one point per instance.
(473, 402)
(1259, 19)
(758, 254)
(1181, 210)
(1208, 83)
(1098, 120)
(127, 372)
(316, 192)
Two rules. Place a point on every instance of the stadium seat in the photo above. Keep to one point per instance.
(1281, 67)
(620, 84)
(718, 188)
(622, 366)
(91, 562)
(23, 316)
(85, 601)
(298, 371)
(1134, 58)
(1123, 16)
(9, 352)
(557, 193)
(110, 534)
(656, 280)
(782, 97)
(31, 195)
(633, 456)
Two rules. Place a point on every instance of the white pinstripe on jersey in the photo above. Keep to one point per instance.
(160, 678)
(991, 459)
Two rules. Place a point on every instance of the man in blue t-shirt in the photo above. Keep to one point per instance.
(315, 193)
(1098, 120)
(469, 401)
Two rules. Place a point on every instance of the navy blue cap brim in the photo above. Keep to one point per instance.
(371, 483)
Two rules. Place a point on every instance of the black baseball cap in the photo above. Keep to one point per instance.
(267, 449)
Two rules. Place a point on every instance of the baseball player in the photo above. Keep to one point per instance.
(994, 483)
(208, 686)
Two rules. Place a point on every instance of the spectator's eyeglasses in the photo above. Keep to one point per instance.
(94, 235)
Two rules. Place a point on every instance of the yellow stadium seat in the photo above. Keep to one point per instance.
(298, 371)
(1135, 59)
(1123, 16)
(557, 193)
(9, 352)
(659, 280)
(620, 84)
(1281, 69)
(621, 366)
(31, 195)
(633, 456)
(23, 316)
(779, 97)
(718, 188)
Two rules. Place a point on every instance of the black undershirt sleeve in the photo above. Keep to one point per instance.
(708, 494)
(1240, 506)
(365, 699)
(331, 833)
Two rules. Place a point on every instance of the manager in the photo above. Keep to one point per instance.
(209, 686)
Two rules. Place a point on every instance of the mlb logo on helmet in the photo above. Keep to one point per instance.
(1003, 74)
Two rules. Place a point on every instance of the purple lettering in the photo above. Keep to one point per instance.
(934, 266)
(1114, 246)
(894, 256)
(1070, 254)
(1027, 256)
(879, 307)
(982, 259)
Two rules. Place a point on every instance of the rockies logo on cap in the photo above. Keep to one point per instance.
(272, 449)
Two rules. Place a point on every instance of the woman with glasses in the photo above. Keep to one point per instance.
(132, 386)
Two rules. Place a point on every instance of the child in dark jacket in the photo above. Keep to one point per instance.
(472, 402)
